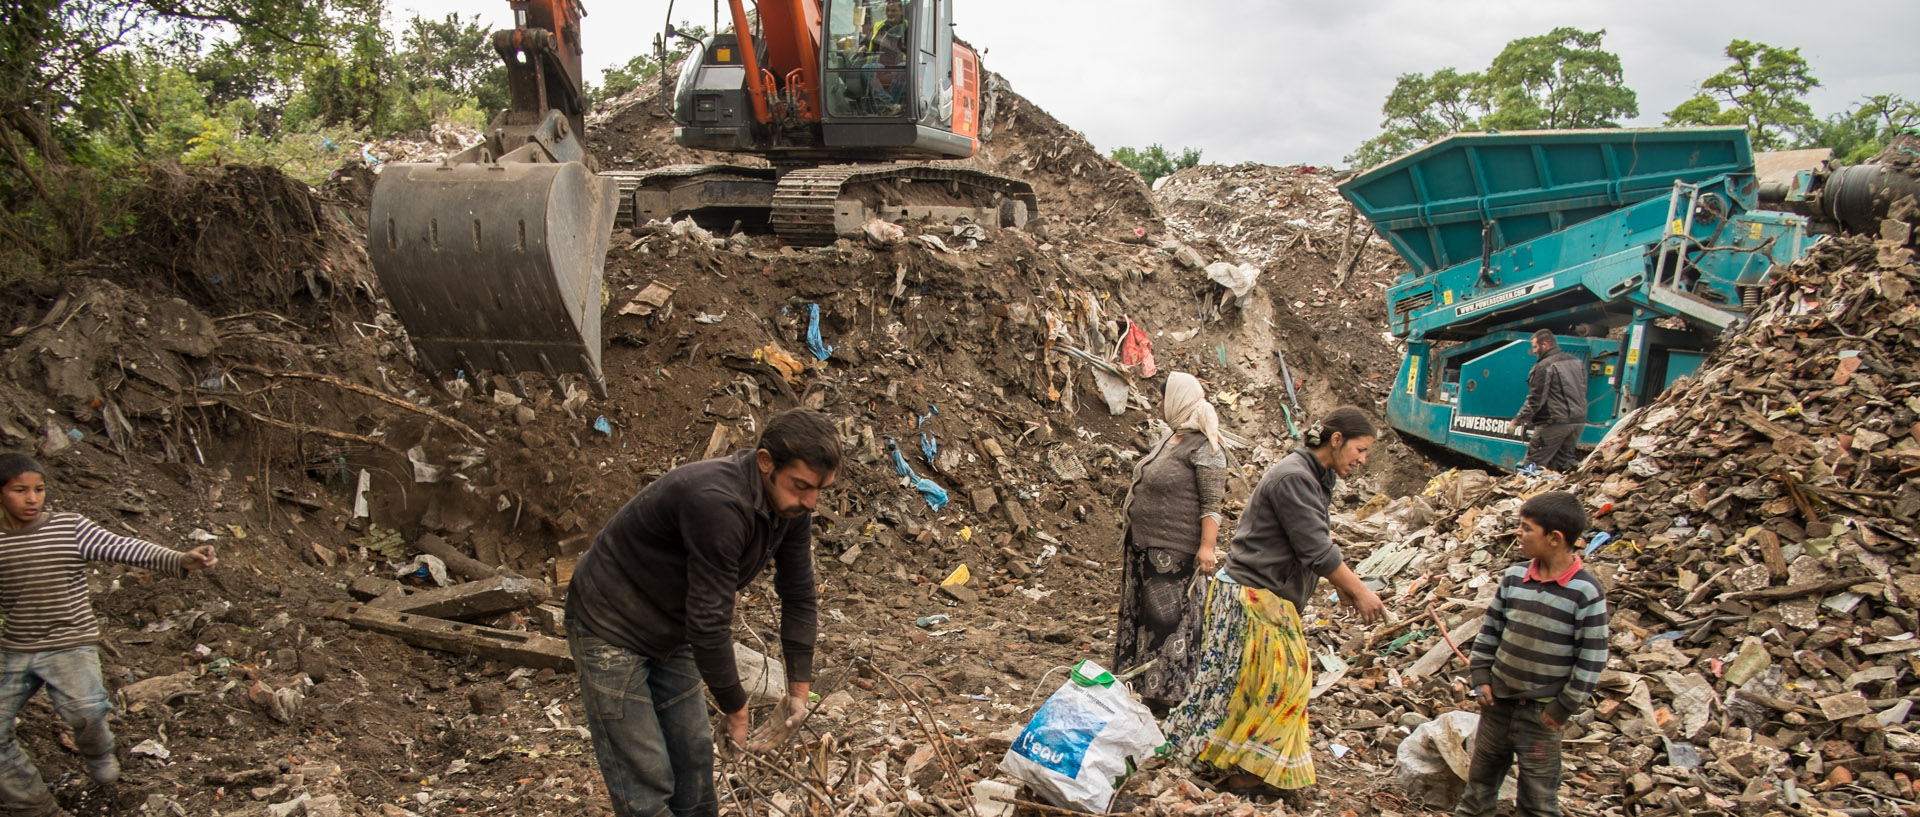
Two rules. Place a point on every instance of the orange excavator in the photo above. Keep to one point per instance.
(847, 100)
(493, 257)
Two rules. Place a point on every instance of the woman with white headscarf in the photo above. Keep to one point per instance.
(1172, 516)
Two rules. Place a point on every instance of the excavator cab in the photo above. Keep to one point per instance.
(869, 60)
(884, 81)
(854, 103)
(492, 258)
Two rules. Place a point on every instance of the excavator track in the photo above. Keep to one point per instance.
(812, 206)
(631, 180)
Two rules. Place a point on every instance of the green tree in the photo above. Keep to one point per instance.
(1154, 161)
(79, 103)
(1558, 80)
(1423, 109)
(456, 56)
(644, 67)
(1764, 90)
(1864, 130)
(354, 87)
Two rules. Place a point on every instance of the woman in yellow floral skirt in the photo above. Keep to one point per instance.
(1246, 706)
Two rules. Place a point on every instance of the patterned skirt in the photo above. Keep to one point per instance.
(1155, 624)
(1246, 708)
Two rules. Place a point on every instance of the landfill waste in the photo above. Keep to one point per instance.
(820, 349)
(1754, 527)
(347, 700)
(935, 495)
(1432, 762)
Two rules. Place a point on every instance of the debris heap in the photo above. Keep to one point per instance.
(1323, 266)
(1755, 529)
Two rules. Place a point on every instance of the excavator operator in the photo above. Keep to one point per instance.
(885, 46)
(886, 40)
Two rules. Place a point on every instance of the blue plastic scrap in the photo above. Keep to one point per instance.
(935, 495)
(1598, 540)
(820, 349)
(923, 419)
(929, 446)
(601, 425)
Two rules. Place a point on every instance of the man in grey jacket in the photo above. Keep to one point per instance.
(1556, 404)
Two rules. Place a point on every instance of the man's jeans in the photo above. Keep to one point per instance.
(1509, 729)
(72, 680)
(1556, 447)
(649, 723)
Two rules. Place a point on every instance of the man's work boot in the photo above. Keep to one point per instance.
(104, 769)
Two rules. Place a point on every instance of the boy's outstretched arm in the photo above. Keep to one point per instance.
(97, 544)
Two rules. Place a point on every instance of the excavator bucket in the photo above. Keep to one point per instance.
(496, 266)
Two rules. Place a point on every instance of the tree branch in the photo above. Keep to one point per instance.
(231, 16)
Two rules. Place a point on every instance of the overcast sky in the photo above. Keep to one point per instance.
(1291, 81)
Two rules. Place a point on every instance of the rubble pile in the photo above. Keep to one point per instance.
(1764, 513)
(1266, 215)
(1901, 153)
(441, 139)
(1755, 530)
(1323, 267)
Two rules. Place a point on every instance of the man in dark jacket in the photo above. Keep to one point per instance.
(1556, 404)
(650, 610)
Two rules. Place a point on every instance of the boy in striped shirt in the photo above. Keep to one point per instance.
(49, 635)
(1536, 660)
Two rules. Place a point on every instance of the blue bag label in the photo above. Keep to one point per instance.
(1058, 736)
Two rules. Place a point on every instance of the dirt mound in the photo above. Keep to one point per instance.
(262, 398)
(635, 132)
(1323, 270)
(1078, 187)
(272, 415)
(247, 235)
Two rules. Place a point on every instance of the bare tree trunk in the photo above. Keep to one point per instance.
(40, 249)
(29, 124)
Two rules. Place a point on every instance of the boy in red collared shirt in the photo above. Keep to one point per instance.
(1536, 660)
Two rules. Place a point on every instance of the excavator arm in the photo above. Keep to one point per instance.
(493, 258)
(542, 54)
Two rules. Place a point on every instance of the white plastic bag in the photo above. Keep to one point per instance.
(1237, 277)
(1084, 741)
(1435, 759)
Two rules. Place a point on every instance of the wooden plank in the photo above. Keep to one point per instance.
(1775, 557)
(469, 600)
(525, 649)
(1774, 431)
